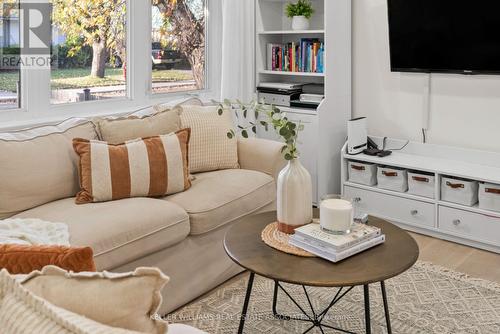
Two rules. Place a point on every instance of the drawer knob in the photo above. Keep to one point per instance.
(414, 212)
(457, 222)
(356, 199)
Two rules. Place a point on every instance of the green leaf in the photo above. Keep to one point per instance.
(229, 135)
(245, 112)
(284, 148)
(254, 129)
(220, 111)
(244, 133)
(288, 156)
(227, 102)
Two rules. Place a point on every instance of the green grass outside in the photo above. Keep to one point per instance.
(80, 78)
(8, 80)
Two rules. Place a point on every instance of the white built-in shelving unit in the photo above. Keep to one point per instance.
(325, 128)
(464, 224)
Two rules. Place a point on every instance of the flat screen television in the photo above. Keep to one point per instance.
(447, 36)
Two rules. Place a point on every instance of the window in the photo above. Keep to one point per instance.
(89, 50)
(71, 51)
(178, 45)
(9, 54)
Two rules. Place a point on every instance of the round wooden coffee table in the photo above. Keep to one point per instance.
(244, 246)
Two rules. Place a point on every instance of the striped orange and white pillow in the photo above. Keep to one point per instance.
(148, 167)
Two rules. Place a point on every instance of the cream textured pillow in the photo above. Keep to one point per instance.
(209, 147)
(128, 300)
(119, 130)
(38, 165)
(22, 312)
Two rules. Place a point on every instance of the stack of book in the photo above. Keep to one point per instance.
(336, 247)
(304, 56)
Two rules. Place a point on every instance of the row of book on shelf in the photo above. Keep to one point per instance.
(305, 56)
(336, 248)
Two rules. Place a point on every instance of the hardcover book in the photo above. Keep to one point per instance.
(337, 256)
(359, 233)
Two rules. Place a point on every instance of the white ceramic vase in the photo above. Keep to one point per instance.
(300, 23)
(294, 203)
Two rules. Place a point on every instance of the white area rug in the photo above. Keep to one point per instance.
(426, 299)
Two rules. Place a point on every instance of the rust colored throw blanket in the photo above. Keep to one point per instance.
(23, 259)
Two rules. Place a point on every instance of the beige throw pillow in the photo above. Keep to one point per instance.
(209, 147)
(39, 165)
(119, 130)
(22, 312)
(128, 300)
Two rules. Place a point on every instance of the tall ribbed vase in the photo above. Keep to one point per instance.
(294, 197)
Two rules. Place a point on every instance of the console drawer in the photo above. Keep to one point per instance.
(470, 225)
(390, 207)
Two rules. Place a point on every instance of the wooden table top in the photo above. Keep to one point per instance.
(244, 246)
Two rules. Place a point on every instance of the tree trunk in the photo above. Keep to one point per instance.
(190, 33)
(99, 56)
(197, 61)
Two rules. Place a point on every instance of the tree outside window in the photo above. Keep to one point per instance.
(178, 45)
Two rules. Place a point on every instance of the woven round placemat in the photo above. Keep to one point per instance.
(279, 240)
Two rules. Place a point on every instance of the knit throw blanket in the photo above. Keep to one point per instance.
(33, 232)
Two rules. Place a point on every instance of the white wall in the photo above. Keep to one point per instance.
(465, 109)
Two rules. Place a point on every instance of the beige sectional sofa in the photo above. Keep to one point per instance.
(181, 234)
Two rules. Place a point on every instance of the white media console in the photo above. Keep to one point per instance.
(468, 225)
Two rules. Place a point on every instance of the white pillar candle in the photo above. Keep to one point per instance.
(336, 215)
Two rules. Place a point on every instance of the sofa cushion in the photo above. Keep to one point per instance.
(38, 165)
(118, 231)
(220, 197)
(119, 130)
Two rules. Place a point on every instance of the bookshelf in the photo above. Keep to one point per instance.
(299, 74)
(325, 128)
(293, 32)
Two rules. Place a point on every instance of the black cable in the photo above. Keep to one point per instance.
(399, 149)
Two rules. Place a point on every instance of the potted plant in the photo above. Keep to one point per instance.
(294, 186)
(300, 13)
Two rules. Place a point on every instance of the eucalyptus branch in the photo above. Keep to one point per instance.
(265, 116)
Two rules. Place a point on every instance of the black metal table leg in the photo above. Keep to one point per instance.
(367, 309)
(386, 308)
(245, 304)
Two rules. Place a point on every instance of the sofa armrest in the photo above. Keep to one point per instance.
(261, 155)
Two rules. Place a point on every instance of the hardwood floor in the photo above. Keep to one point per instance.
(474, 262)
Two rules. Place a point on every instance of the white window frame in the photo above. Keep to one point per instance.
(35, 84)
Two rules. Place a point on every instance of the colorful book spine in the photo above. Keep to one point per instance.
(305, 56)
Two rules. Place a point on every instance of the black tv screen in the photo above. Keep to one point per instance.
(456, 36)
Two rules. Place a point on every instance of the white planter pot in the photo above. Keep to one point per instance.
(294, 203)
(300, 23)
